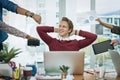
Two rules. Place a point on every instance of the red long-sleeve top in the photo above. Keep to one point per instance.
(65, 45)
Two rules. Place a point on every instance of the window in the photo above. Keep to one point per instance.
(110, 14)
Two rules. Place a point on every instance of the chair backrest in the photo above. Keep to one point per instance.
(115, 56)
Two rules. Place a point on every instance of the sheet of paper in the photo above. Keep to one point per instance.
(69, 77)
(86, 18)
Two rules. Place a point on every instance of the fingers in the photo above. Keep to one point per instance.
(31, 38)
(37, 18)
(98, 19)
(114, 42)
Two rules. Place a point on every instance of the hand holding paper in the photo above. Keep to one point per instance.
(86, 18)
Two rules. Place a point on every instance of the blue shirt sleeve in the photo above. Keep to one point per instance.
(10, 6)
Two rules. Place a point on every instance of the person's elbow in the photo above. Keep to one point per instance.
(95, 37)
(38, 28)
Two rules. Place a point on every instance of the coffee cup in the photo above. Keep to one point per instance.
(27, 71)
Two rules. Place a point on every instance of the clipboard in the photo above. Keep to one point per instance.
(102, 47)
(33, 42)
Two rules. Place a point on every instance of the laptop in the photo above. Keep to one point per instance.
(115, 56)
(102, 47)
(73, 59)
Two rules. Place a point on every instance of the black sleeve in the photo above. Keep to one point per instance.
(116, 30)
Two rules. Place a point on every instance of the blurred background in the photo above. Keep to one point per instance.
(51, 12)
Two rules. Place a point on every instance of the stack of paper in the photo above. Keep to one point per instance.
(86, 18)
(48, 77)
(41, 77)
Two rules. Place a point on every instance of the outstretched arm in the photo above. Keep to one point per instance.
(114, 29)
(11, 6)
(23, 11)
(104, 24)
(13, 31)
(115, 42)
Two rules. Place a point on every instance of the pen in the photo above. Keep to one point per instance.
(89, 72)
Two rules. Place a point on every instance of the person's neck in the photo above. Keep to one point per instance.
(64, 38)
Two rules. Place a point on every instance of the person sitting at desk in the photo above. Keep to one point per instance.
(65, 30)
(114, 29)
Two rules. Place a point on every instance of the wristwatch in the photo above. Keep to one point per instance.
(28, 13)
(31, 14)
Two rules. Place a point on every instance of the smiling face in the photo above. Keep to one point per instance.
(65, 27)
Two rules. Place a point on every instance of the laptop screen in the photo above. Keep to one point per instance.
(73, 59)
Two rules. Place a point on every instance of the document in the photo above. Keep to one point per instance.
(44, 77)
(86, 18)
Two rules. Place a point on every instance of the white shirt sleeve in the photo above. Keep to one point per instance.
(118, 40)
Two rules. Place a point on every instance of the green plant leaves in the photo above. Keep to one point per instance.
(6, 55)
(64, 68)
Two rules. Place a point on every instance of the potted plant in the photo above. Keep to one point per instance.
(7, 54)
(64, 70)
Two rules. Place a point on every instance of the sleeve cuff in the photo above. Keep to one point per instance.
(118, 40)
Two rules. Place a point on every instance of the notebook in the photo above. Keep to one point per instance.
(54, 59)
(115, 56)
(102, 47)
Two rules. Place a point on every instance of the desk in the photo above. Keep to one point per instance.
(87, 76)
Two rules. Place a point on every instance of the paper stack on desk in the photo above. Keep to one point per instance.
(48, 77)
(41, 77)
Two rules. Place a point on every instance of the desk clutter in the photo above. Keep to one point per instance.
(102, 76)
(8, 72)
(44, 77)
(5, 78)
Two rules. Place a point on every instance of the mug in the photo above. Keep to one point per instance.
(34, 69)
(27, 71)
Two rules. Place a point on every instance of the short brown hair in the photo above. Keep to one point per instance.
(70, 23)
